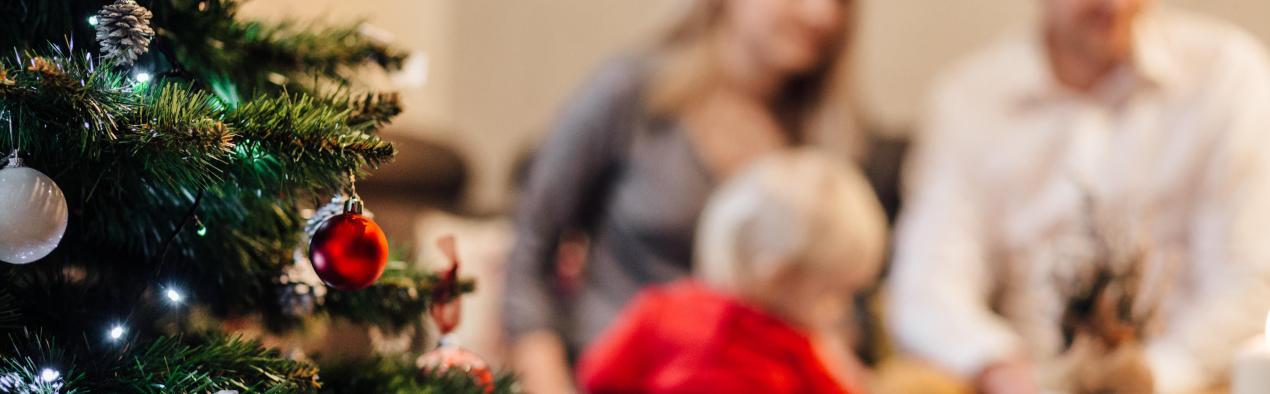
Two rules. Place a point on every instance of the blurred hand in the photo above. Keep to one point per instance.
(1009, 377)
(540, 361)
(836, 355)
(1093, 368)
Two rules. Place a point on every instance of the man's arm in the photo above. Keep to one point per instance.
(941, 279)
(1225, 286)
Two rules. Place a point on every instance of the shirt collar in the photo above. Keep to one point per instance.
(1150, 63)
(1151, 56)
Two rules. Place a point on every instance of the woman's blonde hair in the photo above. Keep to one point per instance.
(793, 213)
(815, 107)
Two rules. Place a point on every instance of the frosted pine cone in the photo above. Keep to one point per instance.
(297, 299)
(123, 30)
(335, 207)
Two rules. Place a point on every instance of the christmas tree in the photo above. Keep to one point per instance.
(163, 151)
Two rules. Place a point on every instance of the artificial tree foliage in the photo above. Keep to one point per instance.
(192, 176)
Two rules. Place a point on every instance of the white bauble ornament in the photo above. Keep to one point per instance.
(32, 213)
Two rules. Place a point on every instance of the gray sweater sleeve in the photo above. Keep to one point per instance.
(567, 177)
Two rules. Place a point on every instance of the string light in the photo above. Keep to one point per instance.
(199, 227)
(48, 375)
(173, 295)
(116, 332)
(142, 77)
(92, 20)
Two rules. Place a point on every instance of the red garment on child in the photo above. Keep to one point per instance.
(686, 338)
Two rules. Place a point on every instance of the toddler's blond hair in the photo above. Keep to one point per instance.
(793, 225)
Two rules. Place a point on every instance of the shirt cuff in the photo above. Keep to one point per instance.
(964, 349)
(1174, 369)
(979, 353)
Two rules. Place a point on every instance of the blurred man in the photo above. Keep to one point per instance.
(1143, 124)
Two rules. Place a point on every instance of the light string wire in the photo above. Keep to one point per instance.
(13, 139)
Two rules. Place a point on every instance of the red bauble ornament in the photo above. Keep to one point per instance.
(349, 251)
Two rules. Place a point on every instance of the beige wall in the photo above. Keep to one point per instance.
(498, 69)
(517, 60)
(903, 43)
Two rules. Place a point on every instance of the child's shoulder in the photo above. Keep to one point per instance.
(674, 292)
(682, 298)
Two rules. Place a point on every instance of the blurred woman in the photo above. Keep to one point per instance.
(634, 156)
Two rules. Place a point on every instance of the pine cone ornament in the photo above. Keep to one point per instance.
(315, 219)
(299, 289)
(123, 30)
(297, 299)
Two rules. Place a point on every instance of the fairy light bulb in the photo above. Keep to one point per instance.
(173, 295)
(116, 332)
(48, 375)
(199, 227)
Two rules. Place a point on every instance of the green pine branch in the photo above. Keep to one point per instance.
(10, 314)
(393, 375)
(32, 362)
(238, 130)
(169, 366)
(86, 101)
(333, 52)
(207, 40)
(233, 56)
(370, 111)
(142, 155)
(399, 298)
(295, 139)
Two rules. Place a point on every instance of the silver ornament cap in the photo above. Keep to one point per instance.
(354, 205)
(33, 213)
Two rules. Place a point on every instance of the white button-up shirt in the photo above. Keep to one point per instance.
(1171, 154)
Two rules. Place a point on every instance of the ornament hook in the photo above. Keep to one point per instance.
(354, 203)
